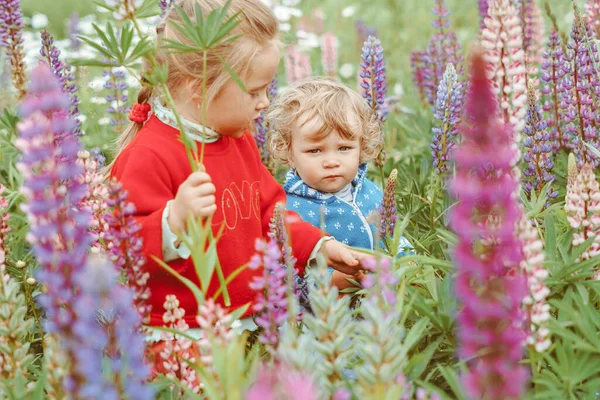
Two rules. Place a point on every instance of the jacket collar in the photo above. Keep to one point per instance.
(296, 186)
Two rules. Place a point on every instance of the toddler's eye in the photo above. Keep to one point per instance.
(313, 151)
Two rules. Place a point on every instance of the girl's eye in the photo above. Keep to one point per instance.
(345, 148)
(254, 95)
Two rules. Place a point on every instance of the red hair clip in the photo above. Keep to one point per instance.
(139, 112)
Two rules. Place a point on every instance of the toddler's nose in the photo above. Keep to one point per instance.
(331, 163)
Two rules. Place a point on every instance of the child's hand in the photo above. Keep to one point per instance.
(341, 257)
(195, 196)
(340, 280)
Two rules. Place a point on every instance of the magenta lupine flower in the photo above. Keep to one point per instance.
(538, 310)
(58, 233)
(448, 111)
(372, 76)
(297, 65)
(73, 30)
(95, 199)
(592, 10)
(64, 76)
(553, 89)
(502, 39)
(11, 26)
(117, 97)
(329, 55)
(280, 382)
(271, 290)
(388, 208)
(107, 324)
(582, 206)
(490, 322)
(538, 156)
(580, 81)
(125, 246)
(443, 49)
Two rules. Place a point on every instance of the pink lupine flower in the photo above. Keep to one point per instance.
(490, 321)
(95, 199)
(329, 55)
(592, 9)
(280, 382)
(538, 310)
(582, 206)
(297, 65)
(502, 40)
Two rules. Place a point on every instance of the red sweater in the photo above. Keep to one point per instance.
(152, 167)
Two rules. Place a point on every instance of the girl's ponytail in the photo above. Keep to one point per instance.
(143, 97)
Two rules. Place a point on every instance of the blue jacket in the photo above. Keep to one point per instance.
(346, 222)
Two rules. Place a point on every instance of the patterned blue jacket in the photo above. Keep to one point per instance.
(344, 221)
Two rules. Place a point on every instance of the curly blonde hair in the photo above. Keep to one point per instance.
(330, 101)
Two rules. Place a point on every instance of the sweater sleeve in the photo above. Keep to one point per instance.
(145, 177)
(303, 236)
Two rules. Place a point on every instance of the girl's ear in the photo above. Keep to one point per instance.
(290, 159)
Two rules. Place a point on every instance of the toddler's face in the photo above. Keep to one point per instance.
(327, 164)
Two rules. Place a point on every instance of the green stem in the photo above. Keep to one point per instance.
(204, 106)
(382, 175)
(31, 304)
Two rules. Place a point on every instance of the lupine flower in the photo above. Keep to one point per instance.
(538, 156)
(14, 323)
(538, 310)
(383, 360)
(319, 349)
(448, 111)
(318, 20)
(553, 89)
(532, 26)
(279, 382)
(177, 348)
(418, 65)
(502, 39)
(372, 75)
(580, 81)
(64, 76)
(483, 12)
(107, 324)
(95, 199)
(57, 365)
(216, 326)
(74, 30)
(297, 65)
(260, 136)
(165, 6)
(271, 301)
(592, 9)
(582, 206)
(388, 209)
(125, 247)
(272, 90)
(117, 97)
(443, 49)
(124, 9)
(11, 26)
(363, 32)
(490, 323)
(58, 233)
(329, 55)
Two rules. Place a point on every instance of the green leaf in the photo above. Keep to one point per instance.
(550, 237)
(190, 285)
(416, 333)
(231, 277)
(451, 377)
(232, 73)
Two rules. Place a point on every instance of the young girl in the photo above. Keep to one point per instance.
(326, 133)
(233, 187)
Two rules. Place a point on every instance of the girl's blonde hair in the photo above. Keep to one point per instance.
(258, 27)
(337, 106)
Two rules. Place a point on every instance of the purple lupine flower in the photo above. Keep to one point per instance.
(372, 76)
(553, 89)
(58, 232)
(260, 136)
(11, 26)
(532, 26)
(271, 299)
(483, 12)
(125, 246)
(443, 49)
(64, 76)
(117, 97)
(165, 5)
(592, 10)
(272, 90)
(363, 32)
(490, 323)
(74, 30)
(581, 80)
(448, 111)
(388, 209)
(538, 171)
(106, 324)
(417, 65)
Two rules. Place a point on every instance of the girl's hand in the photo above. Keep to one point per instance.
(340, 257)
(195, 196)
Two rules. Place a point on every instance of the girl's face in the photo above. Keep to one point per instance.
(326, 164)
(233, 110)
